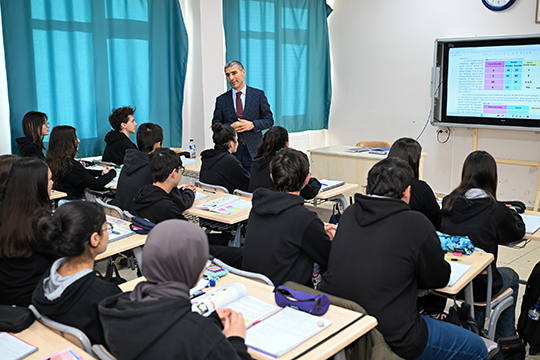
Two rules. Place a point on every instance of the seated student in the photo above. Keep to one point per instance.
(163, 199)
(69, 175)
(6, 162)
(24, 255)
(219, 166)
(136, 172)
(70, 291)
(155, 320)
(472, 210)
(35, 127)
(422, 197)
(283, 238)
(276, 138)
(117, 140)
(382, 254)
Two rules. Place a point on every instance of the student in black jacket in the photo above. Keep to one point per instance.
(284, 239)
(219, 166)
(422, 197)
(155, 320)
(35, 126)
(136, 171)
(383, 253)
(276, 138)
(68, 174)
(117, 140)
(71, 290)
(472, 210)
(24, 255)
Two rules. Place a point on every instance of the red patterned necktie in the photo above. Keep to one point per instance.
(240, 112)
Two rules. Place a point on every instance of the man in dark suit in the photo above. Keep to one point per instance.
(244, 108)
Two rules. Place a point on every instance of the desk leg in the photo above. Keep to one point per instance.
(469, 299)
(342, 199)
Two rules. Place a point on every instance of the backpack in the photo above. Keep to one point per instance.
(527, 328)
(508, 348)
(461, 316)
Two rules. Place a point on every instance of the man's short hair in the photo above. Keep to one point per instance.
(119, 116)
(389, 177)
(289, 169)
(162, 162)
(234, 63)
(147, 135)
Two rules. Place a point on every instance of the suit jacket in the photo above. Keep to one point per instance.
(256, 109)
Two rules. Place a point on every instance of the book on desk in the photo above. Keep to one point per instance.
(226, 205)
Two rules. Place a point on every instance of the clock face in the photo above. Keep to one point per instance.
(498, 5)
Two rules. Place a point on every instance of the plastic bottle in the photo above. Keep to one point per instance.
(534, 312)
(192, 149)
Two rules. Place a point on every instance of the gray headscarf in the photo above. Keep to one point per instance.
(173, 258)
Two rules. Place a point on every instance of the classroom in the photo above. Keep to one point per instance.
(381, 65)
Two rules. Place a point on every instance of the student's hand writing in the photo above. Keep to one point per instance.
(233, 323)
(242, 125)
(330, 230)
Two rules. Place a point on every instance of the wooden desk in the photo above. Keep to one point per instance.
(333, 163)
(231, 219)
(55, 194)
(47, 341)
(124, 244)
(478, 261)
(335, 194)
(340, 317)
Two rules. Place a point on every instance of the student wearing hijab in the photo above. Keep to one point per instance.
(155, 319)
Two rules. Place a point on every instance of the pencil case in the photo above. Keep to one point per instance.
(300, 300)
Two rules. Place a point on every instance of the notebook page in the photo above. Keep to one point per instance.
(12, 348)
(457, 271)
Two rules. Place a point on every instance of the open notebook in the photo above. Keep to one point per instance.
(225, 205)
(457, 271)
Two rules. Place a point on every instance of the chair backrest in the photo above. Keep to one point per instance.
(374, 144)
(244, 273)
(128, 215)
(111, 210)
(70, 333)
(210, 187)
(102, 353)
(243, 194)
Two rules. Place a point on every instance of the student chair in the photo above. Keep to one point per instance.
(111, 210)
(248, 274)
(128, 216)
(70, 333)
(102, 353)
(243, 194)
(210, 187)
(374, 144)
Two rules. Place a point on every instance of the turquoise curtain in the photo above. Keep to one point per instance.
(284, 47)
(76, 60)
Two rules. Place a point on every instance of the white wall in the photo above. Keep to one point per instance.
(382, 54)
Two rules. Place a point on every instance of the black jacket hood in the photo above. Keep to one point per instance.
(371, 209)
(150, 195)
(273, 202)
(211, 157)
(464, 209)
(135, 160)
(264, 162)
(114, 136)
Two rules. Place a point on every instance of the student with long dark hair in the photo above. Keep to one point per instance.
(68, 174)
(35, 127)
(70, 291)
(472, 210)
(219, 165)
(275, 139)
(422, 197)
(6, 162)
(24, 256)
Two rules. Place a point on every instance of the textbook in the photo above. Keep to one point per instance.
(13, 348)
(66, 354)
(119, 233)
(225, 205)
(358, 149)
(379, 151)
(233, 296)
(330, 184)
(456, 272)
(532, 223)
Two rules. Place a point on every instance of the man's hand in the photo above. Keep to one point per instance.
(233, 323)
(242, 125)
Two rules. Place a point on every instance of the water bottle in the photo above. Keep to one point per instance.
(534, 312)
(192, 149)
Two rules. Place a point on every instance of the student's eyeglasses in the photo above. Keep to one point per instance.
(110, 228)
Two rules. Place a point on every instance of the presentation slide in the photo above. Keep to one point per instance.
(495, 81)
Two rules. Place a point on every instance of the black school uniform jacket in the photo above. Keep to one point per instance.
(487, 228)
(284, 239)
(219, 167)
(383, 252)
(78, 178)
(260, 178)
(154, 204)
(117, 144)
(423, 200)
(78, 304)
(29, 149)
(135, 175)
(165, 329)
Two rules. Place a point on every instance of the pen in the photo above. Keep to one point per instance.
(208, 191)
(452, 259)
(324, 184)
